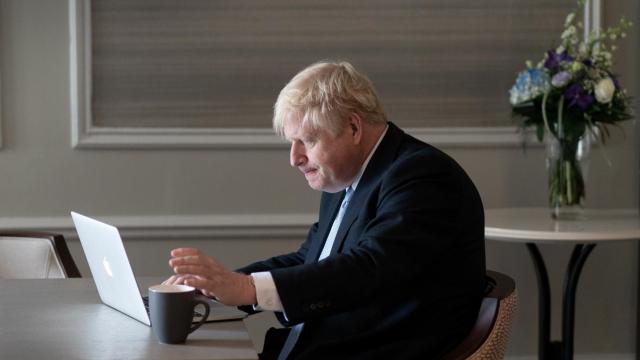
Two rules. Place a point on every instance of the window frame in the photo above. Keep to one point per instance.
(86, 135)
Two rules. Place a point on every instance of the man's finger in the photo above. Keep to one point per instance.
(184, 252)
(197, 283)
(186, 260)
(170, 280)
(174, 280)
(191, 270)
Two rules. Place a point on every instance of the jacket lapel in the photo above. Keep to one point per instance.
(380, 161)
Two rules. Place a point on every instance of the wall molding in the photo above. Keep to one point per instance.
(1, 84)
(0, 100)
(85, 135)
(170, 227)
(91, 137)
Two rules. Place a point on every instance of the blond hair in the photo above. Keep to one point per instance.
(325, 95)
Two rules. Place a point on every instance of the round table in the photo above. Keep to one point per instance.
(533, 226)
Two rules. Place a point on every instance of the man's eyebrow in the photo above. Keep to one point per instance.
(312, 133)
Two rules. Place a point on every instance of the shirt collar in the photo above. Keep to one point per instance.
(356, 180)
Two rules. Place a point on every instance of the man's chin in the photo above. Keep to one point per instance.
(315, 186)
(321, 186)
(327, 189)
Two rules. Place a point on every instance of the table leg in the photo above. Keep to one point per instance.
(558, 349)
(578, 258)
(544, 303)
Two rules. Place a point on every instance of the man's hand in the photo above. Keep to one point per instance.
(195, 269)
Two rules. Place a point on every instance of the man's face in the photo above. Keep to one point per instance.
(328, 163)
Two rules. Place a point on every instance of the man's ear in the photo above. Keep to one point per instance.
(355, 128)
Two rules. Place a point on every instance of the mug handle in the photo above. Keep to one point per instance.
(197, 301)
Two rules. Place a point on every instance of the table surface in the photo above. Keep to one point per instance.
(64, 319)
(536, 225)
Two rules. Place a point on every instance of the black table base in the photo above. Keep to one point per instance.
(558, 350)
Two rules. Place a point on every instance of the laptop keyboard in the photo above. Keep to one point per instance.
(145, 300)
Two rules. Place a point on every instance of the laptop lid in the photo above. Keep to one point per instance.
(110, 267)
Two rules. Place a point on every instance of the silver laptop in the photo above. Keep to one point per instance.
(113, 275)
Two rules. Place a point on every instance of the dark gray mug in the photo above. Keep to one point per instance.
(171, 309)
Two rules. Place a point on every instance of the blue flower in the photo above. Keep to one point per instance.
(530, 84)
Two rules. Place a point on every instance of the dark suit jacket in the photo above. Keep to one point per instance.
(406, 274)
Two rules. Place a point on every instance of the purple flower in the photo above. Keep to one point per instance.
(554, 60)
(561, 79)
(575, 95)
(615, 81)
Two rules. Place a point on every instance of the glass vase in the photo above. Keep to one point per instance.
(567, 167)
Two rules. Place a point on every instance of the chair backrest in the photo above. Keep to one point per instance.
(35, 255)
(490, 334)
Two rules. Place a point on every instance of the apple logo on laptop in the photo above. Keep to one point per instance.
(107, 267)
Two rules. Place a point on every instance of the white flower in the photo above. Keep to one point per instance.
(604, 90)
(582, 49)
(569, 19)
(569, 32)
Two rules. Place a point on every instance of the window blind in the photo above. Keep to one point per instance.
(221, 64)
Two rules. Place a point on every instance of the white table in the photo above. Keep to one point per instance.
(533, 226)
(64, 319)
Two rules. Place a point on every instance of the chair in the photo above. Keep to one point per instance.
(490, 333)
(35, 255)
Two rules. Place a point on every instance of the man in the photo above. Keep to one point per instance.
(394, 268)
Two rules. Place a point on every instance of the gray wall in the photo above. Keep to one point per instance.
(43, 178)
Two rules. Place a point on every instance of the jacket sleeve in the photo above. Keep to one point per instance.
(281, 261)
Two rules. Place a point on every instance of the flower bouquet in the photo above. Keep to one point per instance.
(571, 95)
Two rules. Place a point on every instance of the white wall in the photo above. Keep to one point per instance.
(42, 179)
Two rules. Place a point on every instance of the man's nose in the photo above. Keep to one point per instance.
(296, 155)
